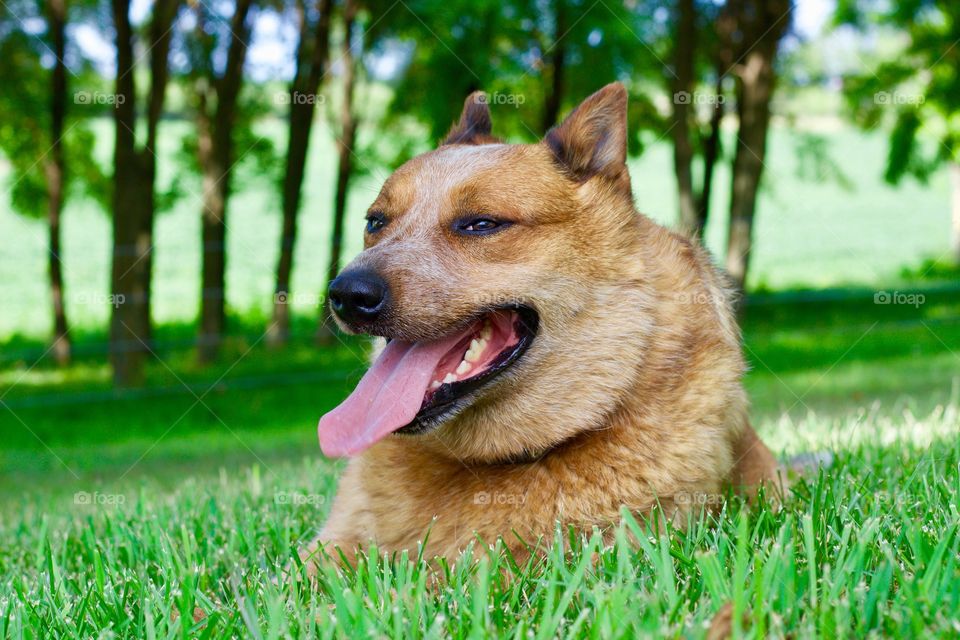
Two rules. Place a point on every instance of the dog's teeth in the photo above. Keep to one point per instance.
(463, 368)
(435, 385)
(450, 378)
(475, 351)
(487, 332)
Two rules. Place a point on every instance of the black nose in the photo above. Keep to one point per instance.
(358, 296)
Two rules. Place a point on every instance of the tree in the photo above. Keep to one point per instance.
(919, 88)
(134, 175)
(55, 169)
(554, 68)
(215, 104)
(311, 66)
(35, 138)
(533, 58)
(702, 46)
(352, 38)
(760, 24)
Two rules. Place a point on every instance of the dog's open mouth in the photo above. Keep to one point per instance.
(412, 385)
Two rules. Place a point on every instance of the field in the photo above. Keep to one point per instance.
(176, 510)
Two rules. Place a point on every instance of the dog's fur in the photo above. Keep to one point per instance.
(630, 394)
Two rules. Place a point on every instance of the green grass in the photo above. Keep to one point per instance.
(191, 506)
(868, 549)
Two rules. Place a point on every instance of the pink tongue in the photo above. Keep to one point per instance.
(387, 398)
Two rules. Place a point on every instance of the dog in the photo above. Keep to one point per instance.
(550, 354)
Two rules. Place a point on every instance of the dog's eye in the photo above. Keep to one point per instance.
(375, 222)
(479, 226)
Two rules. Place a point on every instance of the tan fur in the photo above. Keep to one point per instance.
(631, 393)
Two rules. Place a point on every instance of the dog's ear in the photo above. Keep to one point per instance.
(592, 140)
(474, 126)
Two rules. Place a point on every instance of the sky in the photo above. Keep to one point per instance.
(271, 49)
(810, 16)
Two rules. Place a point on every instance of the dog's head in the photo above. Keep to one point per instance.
(496, 272)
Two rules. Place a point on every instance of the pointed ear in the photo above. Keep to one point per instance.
(474, 126)
(593, 139)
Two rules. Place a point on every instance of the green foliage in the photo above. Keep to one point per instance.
(932, 269)
(815, 164)
(918, 88)
(466, 46)
(902, 157)
(506, 49)
(25, 135)
(255, 156)
(24, 122)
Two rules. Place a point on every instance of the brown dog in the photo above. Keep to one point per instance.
(553, 355)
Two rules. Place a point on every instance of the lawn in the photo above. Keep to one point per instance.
(175, 511)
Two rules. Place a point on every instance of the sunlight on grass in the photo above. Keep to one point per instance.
(862, 428)
(26, 377)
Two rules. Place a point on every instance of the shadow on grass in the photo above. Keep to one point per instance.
(836, 350)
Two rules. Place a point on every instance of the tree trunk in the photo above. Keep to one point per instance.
(133, 195)
(160, 34)
(711, 151)
(213, 239)
(56, 178)
(764, 23)
(216, 162)
(126, 328)
(554, 94)
(348, 130)
(307, 82)
(683, 98)
(724, 26)
(755, 85)
(955, 209)
(694, 206)
(213, 271)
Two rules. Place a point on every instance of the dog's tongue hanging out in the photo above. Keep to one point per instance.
(404, 375)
